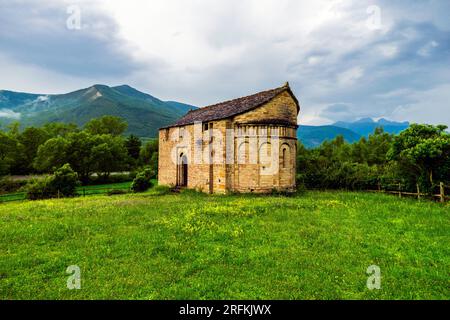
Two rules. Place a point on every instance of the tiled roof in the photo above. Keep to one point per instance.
(231, 108)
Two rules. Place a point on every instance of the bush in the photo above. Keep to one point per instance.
(40, 189)
(62, 183)
(142, 182)
(7, 185)
(65, 181)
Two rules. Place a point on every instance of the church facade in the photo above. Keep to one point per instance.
(243, 145)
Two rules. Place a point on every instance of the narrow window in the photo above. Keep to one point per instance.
(283, 160)
(181, 134)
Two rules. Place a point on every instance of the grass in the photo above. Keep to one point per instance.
(83, 190)
(191, 246)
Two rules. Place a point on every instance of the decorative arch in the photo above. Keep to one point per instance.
(285, 156)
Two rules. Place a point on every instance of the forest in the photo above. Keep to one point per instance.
(418, 157)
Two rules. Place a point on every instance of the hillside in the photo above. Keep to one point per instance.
(313, 136)
(143, 112)
(366, 126)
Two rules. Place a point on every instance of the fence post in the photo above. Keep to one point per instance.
(418, 191)
(400, 190)
(442, 192)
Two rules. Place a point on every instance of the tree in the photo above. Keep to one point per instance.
(30, 140)
(51, 155)
(423, 152)
(86, 154)
(8, 149)
(133, 145)
(148, 150)
(58, 129)
(106, 125)
(109, 155)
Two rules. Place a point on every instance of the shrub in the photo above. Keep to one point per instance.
(62, 183)
(65, 181)
(40, 189)
(142, 182)
(7, 185)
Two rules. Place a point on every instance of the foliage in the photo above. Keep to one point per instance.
(106, 125)
(7, 185)
(142, 182)
(62, 183)
(423, 154)
(133, 145)
(415, 156)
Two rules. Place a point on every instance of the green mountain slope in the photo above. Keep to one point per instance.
(366, 126)
(143, 112)
(313, 136)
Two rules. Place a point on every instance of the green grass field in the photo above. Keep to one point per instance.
(189, 246)
(81, 191)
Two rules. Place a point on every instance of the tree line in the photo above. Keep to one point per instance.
(97, 149)
(418, 156)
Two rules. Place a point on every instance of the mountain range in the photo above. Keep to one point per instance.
(143, 112)
(146, 113)
(313, 136)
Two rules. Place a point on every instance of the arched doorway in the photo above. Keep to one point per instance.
(182, 171)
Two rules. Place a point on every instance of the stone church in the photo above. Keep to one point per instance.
(242, 145)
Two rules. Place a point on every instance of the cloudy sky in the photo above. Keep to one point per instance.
(344, 59)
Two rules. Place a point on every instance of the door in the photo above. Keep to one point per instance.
(182, 171)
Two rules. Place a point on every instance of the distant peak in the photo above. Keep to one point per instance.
(100, 86)
(365, 120)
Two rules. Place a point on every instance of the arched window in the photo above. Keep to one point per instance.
(285, 153)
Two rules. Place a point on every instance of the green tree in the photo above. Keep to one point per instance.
(51, 155)
(106, 125)
(8, 150)
(30, 140)
(423, 152)
(148, 150)
(109, 155)
(133, 145)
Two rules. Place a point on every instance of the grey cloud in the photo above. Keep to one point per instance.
(36, 33)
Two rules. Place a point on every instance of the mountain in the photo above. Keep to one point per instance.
(313, 136)
(366, 126)
(143, 112)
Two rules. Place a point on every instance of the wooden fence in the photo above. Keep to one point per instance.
(441, 196)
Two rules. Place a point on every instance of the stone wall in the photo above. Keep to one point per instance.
(248, 171)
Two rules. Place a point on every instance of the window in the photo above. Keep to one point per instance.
(283, 158)
(181, 132)
(166, 134)
(205, 127)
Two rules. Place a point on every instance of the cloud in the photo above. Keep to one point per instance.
(202, 52)
(9, 114)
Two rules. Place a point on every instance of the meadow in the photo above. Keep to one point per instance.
(316, 245)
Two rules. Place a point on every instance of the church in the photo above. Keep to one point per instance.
(243, 145)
